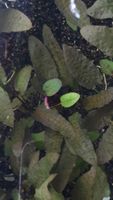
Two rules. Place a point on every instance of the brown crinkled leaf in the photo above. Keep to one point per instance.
(53, 141)
(98, 100)
(91, 186)
(40, 171)
(83, 144)
(101, 9)
(52, 119)
(82, 70)
(13, 20)
(99, 36)
(74, 17)
(97, 119)
(105, 148)
(57, 55)
(42, 60)
(64, 169)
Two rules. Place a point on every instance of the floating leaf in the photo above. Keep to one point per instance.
(69, 99)
(22, 79)
(39, 139)
(6, 112)
(82, 70)
(57, 54)
(105, 148)
(40, 171)
(52, 86)
(101, 9)
(91, 186)
(106, 66)
(42, 60)
(99, 36)
(12, 20)
(98, 100)
(75, 12)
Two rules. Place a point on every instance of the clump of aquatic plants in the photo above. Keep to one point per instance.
(68, 142)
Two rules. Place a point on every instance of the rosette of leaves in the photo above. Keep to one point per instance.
(82, 70)
(101, 9)
(13, 20)
(76, 17)
(99, 36)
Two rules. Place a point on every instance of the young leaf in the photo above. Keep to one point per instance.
(39, 139)
(6, 112)
(99, 36)
(22, 79)
(69, 99)
(106, 66)
(101, 9)
(52, 86)
(12, 20)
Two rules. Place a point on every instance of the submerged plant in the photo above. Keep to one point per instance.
(70, 149)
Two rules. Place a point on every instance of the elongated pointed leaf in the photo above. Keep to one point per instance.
(75, 12)
(99, 36)
(105, 149)
(57, 54)
(22, 79)
(98, 100)
(3, 77)
(6, 112)
(101, 9)
(40, 171)
(75, 140)
(91, 186)
(12, 20)
(82, 70)
(43, 193)
(42, 61)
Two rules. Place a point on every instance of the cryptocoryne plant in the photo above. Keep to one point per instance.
(75, 146)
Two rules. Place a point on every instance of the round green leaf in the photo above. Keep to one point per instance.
(106, 66)
(52, 86)
(69, 99)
